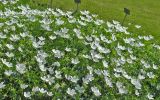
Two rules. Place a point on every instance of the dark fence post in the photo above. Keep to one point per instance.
(127, 12)
(51, 3)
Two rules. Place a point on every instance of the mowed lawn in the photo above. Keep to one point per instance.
(143, 12)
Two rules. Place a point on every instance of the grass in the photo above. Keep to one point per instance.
(143, 12)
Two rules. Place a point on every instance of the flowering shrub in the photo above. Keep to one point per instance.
(51, 54)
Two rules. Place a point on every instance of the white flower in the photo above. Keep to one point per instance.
(141, 77)
(129, 23)
(142, 61)
(72, 78)
(156, 46)
(114, 37)
(51, 70)
(80, 89)
(105, 73)
(58, 74)
(57, 86)
(126, 75)
(75, 61)
(90, 69)
(2, 36)
(133, 57)
(21, 68)
(78, 33)
(59, 22)
(42, 90)
(88, 78)
(49, 93)
(42, 67)
(71, 20)
(93, 46)
(110, 25)
(146, 65)
(60, 12)
(23, 86)
(2, 85)
(9, 54)
(98, 72)
(35, 89)
(121, 88)
(64, 30)
(71, 92)
(85, 12)
(129, 61)
(103, 50)
(88, 38)
(118, 69)
(14, 38)
(24, 34)
(10, 46)
(136, 83)
(137, 93)
(57, 53)
(140, 44)
(96, 91)
(150, 75)
(46, 27)
(155, 66)
(130, 50)
(108, 81)
(147, 38)
(122, 59)
(49, 79)
(27, 94)
(140, 37)
(56, 64)
(52, 37)
(8, 64)
(41, 38)
(87, 56)
(150, 96)
(8, 72)
(20, 49)
(99, 22)
(137, 26)
(94, 15)
(121, 47)
(96, 56)
(104, 39)
(117, 75)
(68, 49)
(37, 44)
(81, 23)
(127, 41)
(46, 21)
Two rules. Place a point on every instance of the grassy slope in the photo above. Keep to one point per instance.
(143, 12)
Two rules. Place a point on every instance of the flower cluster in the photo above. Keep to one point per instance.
(53, 54)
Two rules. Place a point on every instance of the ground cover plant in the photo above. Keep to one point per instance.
(51, 54)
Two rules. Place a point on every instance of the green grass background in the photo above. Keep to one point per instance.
(143, 12)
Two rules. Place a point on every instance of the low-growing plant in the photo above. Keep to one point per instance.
(51, 54)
